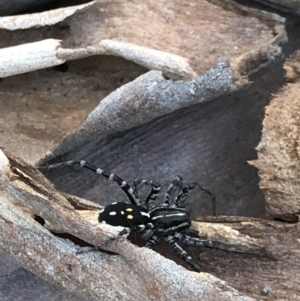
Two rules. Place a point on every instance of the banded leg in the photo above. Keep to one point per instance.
(132, 196)
(152, 195)
(169, 196)
(180, 200)
(200, 242)
(193, 241)
(152, 241)
(146, 231)
(181, 253)
(125, 231)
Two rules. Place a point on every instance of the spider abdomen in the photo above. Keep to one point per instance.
(168, 220)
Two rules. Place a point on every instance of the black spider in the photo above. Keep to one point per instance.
(170, 220)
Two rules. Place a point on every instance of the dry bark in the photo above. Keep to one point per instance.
(208, 34)
(277, 270)
(39, 19)
(278, 151)
(145, 99)
(279, 163)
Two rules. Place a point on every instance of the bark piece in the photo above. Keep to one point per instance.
(29, 57)
(210, 33)
(277, 269)
(292, 67)
(146, 98)
(278, 151)
(290, 6)
(173, 66)
(61, 98)
(229, 238)
(41, 19)
(49, 53)
(39, 55)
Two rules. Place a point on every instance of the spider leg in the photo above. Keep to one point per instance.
(175, 184)
(201, 242)
(152, 195)
(180, 200)
(125, 231)
(152, 241)
(181, 253)
(132, 196)
(193, 241)
(146, 230)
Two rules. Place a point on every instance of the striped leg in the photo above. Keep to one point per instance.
(125, 231)
(181, 253)
(152, 241)
(152, 195)
(169, 196)
(146, 231)
(193, 241)
(200, 242)
(180, 200)
(132, 196)
(183, 194)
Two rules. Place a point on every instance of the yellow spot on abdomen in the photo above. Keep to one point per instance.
(129, 209)
(129, 216)
(113, 213)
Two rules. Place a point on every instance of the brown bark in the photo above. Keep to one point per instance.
(278, 152)
(277, 269)
(222, 30)
(279, 163)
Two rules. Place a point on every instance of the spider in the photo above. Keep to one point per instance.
(169, 221)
